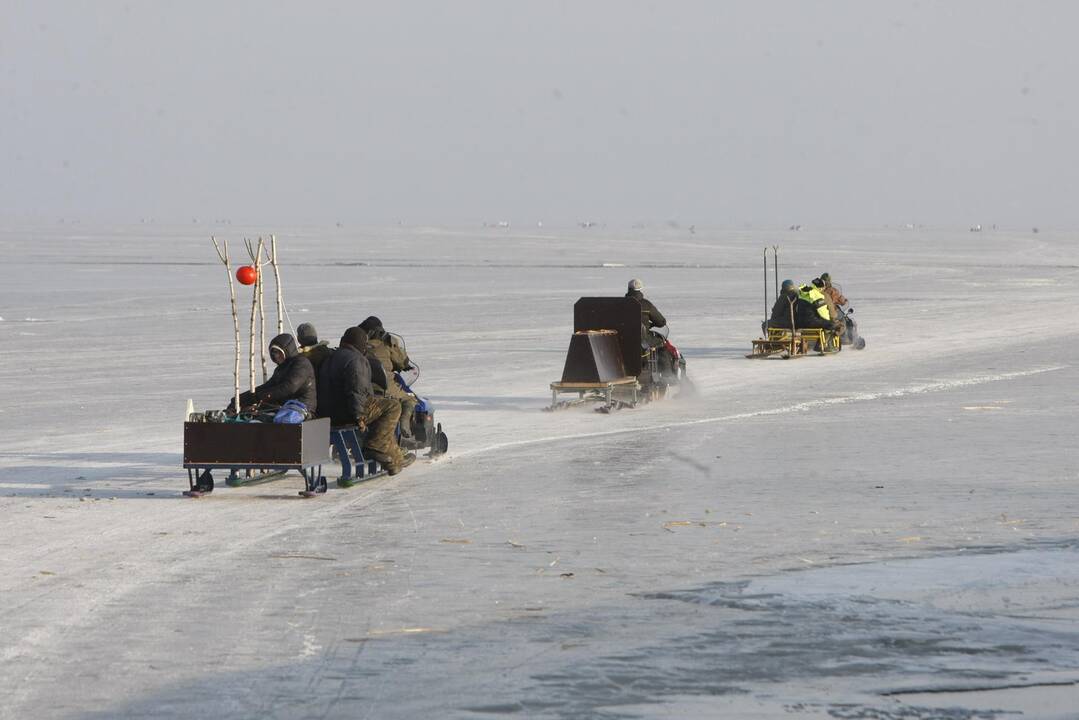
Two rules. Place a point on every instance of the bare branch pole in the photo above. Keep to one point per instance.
(257, 309)
(224, 256)
(277, 284)
(262, 308)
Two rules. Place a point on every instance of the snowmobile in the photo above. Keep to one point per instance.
(426, 433)
(611, 361)
(850, 337)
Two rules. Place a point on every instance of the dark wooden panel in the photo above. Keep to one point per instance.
(257, 443)
(622, 314)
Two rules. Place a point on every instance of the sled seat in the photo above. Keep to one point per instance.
(346, 439)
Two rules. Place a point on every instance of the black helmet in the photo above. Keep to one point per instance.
(371, 323)
(787, 285)
(818, 282)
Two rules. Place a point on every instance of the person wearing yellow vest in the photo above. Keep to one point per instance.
(818, 317)
(833, 310)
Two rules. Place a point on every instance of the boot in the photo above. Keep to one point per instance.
(406, 460)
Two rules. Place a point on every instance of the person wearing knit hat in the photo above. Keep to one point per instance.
(310, 347)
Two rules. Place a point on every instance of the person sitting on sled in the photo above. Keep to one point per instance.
(347, 398)
(310, 346)
(806, 312)
(292, 379)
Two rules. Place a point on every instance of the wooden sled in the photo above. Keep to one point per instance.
(789, 344)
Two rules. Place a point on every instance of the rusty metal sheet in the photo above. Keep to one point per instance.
(593, 356)
(621, 314)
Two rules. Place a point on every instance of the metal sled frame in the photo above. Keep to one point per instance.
(347, 438)
(255, 453)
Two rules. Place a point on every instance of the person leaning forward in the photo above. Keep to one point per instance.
(393, 359)
(347, 398)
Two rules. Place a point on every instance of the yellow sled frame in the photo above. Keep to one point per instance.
(787, 344)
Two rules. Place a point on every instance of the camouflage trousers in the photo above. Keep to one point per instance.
(408, 407)
(381, 414)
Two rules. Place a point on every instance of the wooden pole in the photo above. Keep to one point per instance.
(224, 256)
(251, 331)
(277, 284)
(262, 309)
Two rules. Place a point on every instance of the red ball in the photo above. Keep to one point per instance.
(247, 274)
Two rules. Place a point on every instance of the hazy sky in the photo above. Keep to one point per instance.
(707, 112)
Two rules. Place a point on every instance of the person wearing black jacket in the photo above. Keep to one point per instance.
(292, 379)
(346, 397)
(651, 317)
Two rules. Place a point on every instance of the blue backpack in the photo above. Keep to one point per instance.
(292, 412)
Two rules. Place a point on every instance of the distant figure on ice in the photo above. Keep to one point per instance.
(292, 379)
(650, 316)
(347, 398)
(393, 359)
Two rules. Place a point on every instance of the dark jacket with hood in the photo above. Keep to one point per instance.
(344, 380)
(293, 379)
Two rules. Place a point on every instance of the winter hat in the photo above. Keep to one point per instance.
(356, 337)
(306, 334)
(635, 285)
(826, 277)
(371, 323)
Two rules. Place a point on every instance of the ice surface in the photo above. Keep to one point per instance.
(882, 534)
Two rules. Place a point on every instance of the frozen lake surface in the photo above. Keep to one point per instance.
(882, 534)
